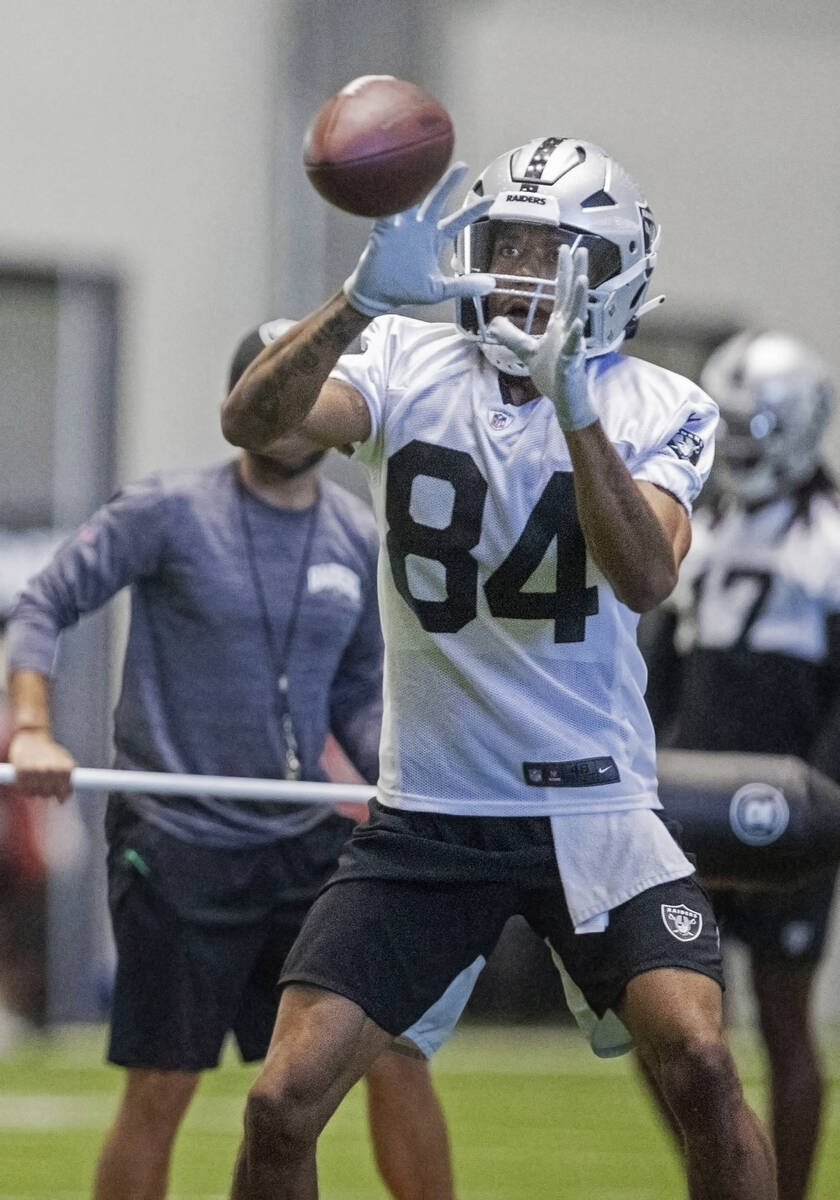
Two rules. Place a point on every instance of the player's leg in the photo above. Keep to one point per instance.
(662, 1107)
(783, 993)
(408, 1128)
(374, 955)
(299, 868)
(322, 1044)
(675, 1017)
(657, 965)
(785, 933)
(721, 902)
(134, 1163)
(407, 1124)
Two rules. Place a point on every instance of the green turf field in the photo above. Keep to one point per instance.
(533, 1115)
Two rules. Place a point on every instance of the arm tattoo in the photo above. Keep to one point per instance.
(282, 393)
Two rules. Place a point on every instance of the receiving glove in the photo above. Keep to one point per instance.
(556, 360)
(401, 262)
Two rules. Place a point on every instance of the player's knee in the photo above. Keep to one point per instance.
(281, 1120)
(698, 1078)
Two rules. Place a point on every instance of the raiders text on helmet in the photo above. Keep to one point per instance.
(775, 396)
(577, 188)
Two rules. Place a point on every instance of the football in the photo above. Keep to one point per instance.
(377, 146)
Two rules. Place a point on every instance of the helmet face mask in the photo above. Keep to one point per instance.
(590, 201)
(775, 397)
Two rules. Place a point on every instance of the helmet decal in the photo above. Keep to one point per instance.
(539, 159)
(599, 199)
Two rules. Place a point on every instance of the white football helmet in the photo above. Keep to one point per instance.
(575, 187)
(775, 396)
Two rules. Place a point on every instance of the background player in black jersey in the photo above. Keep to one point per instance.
(747, 658)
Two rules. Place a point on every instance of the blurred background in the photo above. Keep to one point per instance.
(153, 208)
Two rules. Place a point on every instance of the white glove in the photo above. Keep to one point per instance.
(556, 361)
(401, 262)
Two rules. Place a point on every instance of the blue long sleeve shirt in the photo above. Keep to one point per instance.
(200, 676)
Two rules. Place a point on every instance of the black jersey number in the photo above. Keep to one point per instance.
(554, 516)
(450, 546)
(762, 582)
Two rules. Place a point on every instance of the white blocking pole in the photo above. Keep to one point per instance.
(225, 787)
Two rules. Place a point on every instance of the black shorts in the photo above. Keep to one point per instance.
(779, 927)
(417, 898)
(201, 935)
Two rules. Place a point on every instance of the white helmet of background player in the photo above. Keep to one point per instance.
(775, 396)
(576, 187)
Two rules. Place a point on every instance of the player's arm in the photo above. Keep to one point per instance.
(286, 395)
(637, 533)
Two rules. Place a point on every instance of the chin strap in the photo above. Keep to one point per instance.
(648, 306)
(502, 359)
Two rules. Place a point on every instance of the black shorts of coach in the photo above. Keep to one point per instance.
(419, 897)
(201, 936)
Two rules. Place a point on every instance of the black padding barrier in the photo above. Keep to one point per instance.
(751, 820)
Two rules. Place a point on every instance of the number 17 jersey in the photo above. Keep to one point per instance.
(513, 682)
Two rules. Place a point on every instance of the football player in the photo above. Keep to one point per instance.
(748, 658)
(532, 488)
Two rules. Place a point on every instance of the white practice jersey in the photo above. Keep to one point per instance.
(761, 581)
(513, 683)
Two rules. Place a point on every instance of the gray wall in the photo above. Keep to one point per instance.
(164, 140)
(139, 138)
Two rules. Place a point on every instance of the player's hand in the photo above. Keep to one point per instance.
(556, 361)
(42, 766)
(401, 262)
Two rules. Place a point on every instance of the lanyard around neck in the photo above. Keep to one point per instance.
(279, 653)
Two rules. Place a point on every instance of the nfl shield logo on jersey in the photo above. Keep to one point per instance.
(681, 922)
(499, 420)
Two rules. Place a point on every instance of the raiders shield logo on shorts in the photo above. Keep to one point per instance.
(682, 922)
